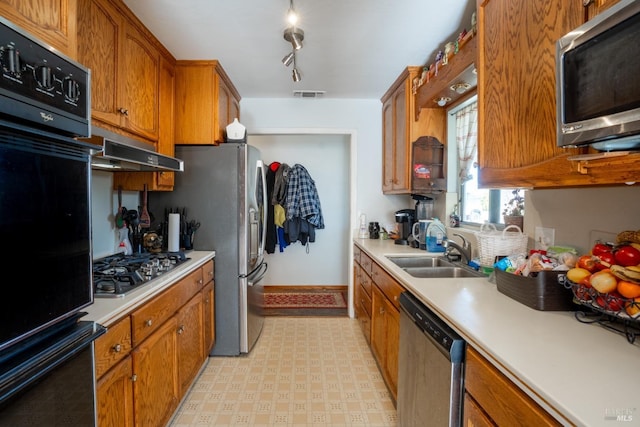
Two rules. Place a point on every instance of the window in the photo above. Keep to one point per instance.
(475, 206)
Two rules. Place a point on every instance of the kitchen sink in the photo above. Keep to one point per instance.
(432, 267)
(442, 272)
(427, 262)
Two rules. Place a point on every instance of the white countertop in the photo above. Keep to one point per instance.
(107, 310)
(581, 374)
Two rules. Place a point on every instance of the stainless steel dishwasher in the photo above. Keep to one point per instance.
(430, 368)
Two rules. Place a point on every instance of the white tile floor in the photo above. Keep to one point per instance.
(303, 371)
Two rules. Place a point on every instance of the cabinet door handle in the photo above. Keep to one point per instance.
(148, 322)
(181, 330)
(117, 348)
(381, 310)
(200, 281)
(123, 111)
(134, 378)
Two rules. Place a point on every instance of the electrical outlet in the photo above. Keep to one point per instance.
(545, 237)
(602, 236)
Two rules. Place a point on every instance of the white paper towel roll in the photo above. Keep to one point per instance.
(174, 232)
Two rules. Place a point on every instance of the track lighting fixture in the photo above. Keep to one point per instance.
(288, 59)
(295, 74)
(294, 36)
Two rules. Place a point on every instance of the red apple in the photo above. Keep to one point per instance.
(600, 248)
(605, 260)
(627, 255)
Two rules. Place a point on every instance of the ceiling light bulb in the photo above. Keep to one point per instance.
(296, 75)
(292, 16)
(460, 87)
(288, 59)
(442, 101)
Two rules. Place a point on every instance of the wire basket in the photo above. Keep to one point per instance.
(613, 312)
(493, 243)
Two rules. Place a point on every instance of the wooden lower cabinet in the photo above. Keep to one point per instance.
(385, 338)
(362, 291)
(208, 310)
(115, 395)
(190, 341)
(474, 416)
(377, 309)
(491, 399)
(156, 389)
(362, 302)
(147, 361)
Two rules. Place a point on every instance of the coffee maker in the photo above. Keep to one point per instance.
(424, 207)
(405, 219)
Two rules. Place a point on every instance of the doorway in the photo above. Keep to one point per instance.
(328, 157)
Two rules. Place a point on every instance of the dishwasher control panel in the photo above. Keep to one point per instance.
(442, 334)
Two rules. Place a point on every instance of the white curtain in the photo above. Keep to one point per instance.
(466, 139)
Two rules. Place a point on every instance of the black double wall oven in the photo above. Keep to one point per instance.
(46, 350)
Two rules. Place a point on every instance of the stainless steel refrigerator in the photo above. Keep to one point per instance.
(223, 187)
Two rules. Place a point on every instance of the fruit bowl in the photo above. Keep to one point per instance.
(611, 304)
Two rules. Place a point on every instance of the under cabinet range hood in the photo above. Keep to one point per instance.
(117, 153)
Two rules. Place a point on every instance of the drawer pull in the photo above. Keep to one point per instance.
(200, 281)
(123, 111)
(148, 322)
(117, 348)
(181, 330)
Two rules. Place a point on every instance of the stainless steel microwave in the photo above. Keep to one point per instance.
(598, 81)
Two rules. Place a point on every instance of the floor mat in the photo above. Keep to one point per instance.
(304, 300)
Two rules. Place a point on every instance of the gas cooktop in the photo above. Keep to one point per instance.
(117, 275)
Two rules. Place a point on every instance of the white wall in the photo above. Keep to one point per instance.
(326, 158)
(104, 204)
(361, 117)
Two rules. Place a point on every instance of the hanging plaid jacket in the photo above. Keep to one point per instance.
(302, 197)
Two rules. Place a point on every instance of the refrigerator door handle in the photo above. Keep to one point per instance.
(260, 271)
(263, 223)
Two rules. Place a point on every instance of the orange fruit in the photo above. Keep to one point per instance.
(628, 289)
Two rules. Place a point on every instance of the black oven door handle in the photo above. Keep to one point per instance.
(35, 362)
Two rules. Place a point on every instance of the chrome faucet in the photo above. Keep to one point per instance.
(464, 250)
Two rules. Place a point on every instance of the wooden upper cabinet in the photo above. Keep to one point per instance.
(52, 21)
(206, 102)
(138, 90)
(517, 142)
(124, 66)
(516, 93)
(161, 180)
(597, 6)
(400, 128)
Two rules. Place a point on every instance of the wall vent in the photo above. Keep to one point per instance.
(309, 93)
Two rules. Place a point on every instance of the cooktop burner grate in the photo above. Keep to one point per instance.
(116, 275)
